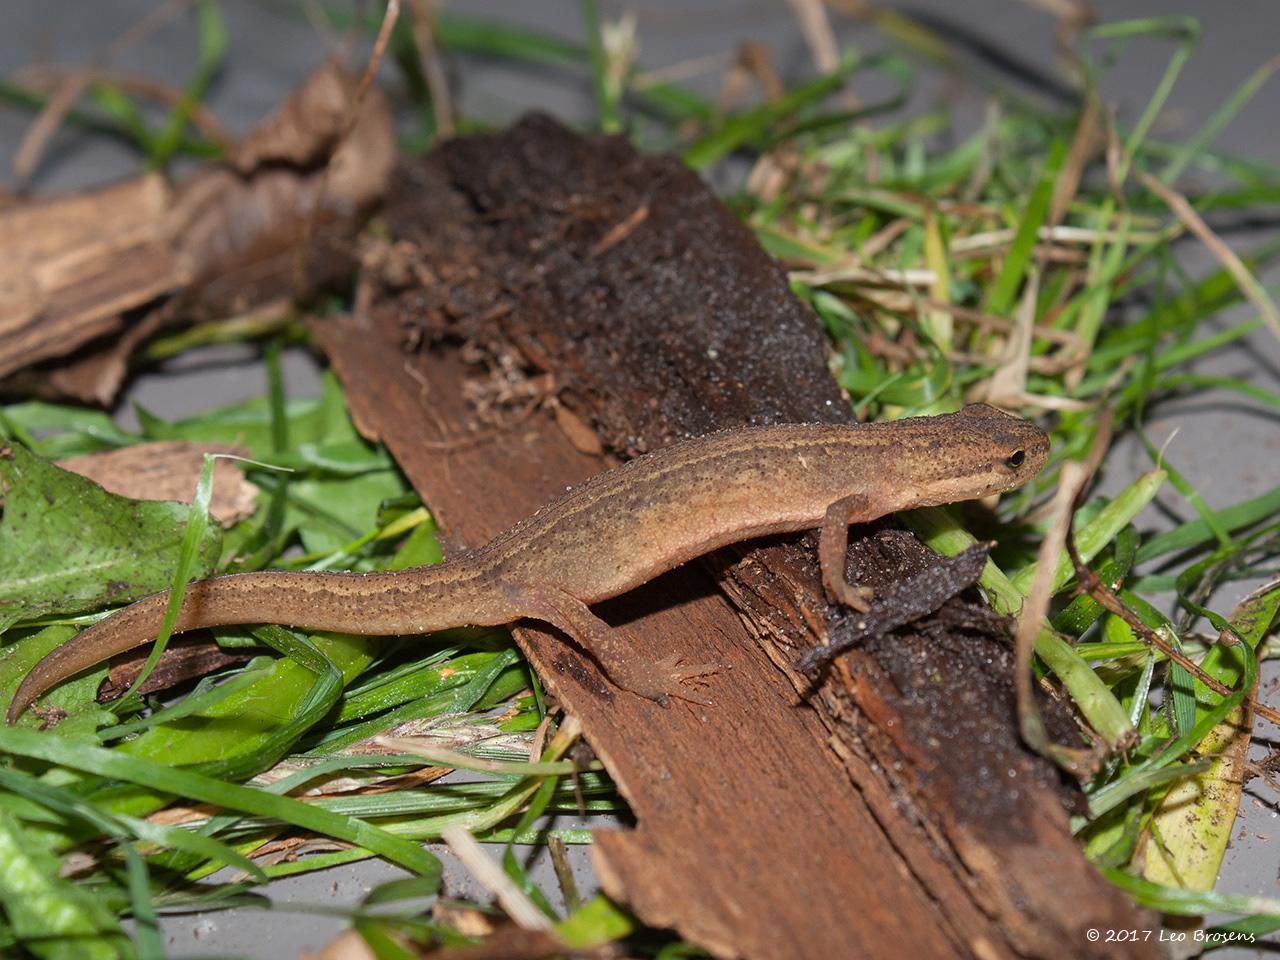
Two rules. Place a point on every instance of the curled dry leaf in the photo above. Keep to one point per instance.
(237, 236)
(169, 470)
(303, 129)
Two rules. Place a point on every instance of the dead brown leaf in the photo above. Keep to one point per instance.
(169, 470)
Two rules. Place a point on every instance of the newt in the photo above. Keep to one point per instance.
(612, 533)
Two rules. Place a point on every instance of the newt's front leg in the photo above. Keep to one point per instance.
(833, 546)
(627, 667)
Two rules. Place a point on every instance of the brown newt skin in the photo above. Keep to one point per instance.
(612, 533)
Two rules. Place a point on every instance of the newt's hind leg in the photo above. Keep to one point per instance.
(833, 547)
(623, 664)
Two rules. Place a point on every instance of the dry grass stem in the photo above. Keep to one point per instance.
(994, 240)
(1010, 377)
(389, 19)
(681, 71)
(815, 27)
(1084, 144)
(424, 36)
(1230, 260)
(55, 79)
(73, 85)
(511, 898)
(752, 62)
(1074, 478)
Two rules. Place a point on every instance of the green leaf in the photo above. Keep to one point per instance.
(66, 431)
(54, 918)
(595, 923)
(1002, 294)
(75, 698)
(328, 513)
(188, 558)
(194, 786)
(67, 546)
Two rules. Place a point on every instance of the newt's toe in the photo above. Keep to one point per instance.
(669, 677)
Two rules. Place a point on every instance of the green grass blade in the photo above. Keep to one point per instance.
(1197, 533)
(752, 124)
(1186, 153)
(186, 570)
(1001, 295)
(194, 786)
(1185, 32)
(212, 36)
(1099, 532)
(606, 97)
(202, 699)
(146, 924)
(1178, 902)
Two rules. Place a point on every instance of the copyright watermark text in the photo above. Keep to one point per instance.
(1215, 938)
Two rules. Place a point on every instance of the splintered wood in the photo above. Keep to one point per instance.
(72, 265)
(775, 822)
(97, 272)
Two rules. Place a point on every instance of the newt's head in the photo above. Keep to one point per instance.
(974, 452)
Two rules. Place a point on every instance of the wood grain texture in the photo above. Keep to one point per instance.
(82, 273)
(768, 826)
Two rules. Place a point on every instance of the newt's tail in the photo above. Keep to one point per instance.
(341, 602)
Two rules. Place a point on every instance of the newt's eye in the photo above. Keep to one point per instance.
(1016, 458)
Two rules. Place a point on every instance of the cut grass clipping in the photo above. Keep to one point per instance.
(1034, 263)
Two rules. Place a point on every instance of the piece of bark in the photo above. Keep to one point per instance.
(77, 271)
(170, 470)
(924, 719)
(93, 376)
(183, 660)
(765, 828)
(71, 266)
(736, 802)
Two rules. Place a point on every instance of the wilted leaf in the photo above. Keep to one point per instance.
(1192, 825)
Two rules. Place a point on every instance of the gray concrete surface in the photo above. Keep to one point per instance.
(1227, 448)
